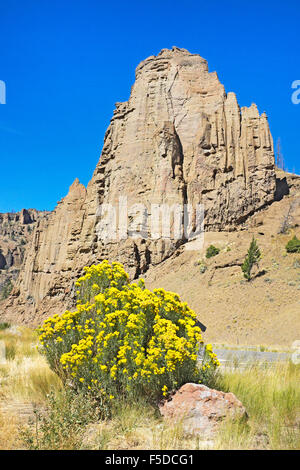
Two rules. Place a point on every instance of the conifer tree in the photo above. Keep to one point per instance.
(252, 258)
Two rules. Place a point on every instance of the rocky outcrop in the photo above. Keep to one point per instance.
(26, 217)
(179, 139)
(16, 229)
(54, 249)
(200, 409)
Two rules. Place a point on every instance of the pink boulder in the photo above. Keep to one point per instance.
(201, 408)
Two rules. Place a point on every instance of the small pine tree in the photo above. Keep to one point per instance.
(293, 246)
(252, 258)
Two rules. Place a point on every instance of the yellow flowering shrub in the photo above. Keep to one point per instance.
(124, 340)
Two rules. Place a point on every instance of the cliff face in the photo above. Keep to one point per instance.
(16, 229)
(179, 139)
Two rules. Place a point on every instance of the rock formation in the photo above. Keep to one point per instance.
(15, 232)
(180, 139)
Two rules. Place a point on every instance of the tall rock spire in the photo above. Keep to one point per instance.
(178, 139)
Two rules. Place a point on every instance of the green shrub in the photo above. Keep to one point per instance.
(293, 246)
(61, 425)
(124, 340)
(252, 259)
(4, 326)
(212, 251)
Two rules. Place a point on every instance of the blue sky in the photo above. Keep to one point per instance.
(65, 64)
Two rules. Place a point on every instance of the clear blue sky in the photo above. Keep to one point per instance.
(65, 63)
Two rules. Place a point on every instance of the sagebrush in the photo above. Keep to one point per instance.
(124, 340)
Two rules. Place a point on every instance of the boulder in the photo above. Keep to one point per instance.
(201, 409)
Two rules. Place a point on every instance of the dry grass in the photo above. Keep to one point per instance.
(27, 379)
(138, 426)
(25, 375)
(9, 428)
(272, 398)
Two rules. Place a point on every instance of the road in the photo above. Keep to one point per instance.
(242, 357)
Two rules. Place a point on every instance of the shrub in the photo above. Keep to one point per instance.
(252, 258)
(124, 340)
(61, 425)
(202, 267)
(4, 326)
(212, 251)
(293, 246)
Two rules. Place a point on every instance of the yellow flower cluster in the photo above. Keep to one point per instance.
(211, 356)
(98, 278)
(125, 337)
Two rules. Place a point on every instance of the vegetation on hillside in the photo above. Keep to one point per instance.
(212, 251)
(293, 246)
(252, 259)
